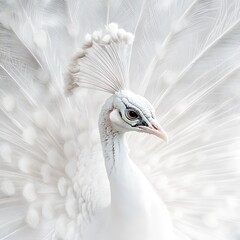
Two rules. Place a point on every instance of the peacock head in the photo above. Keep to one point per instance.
(132, 112)
(103, 64)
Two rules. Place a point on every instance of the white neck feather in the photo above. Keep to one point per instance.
(115, 149)
(123, 174)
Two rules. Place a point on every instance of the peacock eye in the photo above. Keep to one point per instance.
(131, 114)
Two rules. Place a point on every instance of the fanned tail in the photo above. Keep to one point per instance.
(192, 79)
(45, 193)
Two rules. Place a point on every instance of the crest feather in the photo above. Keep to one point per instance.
(102, 62)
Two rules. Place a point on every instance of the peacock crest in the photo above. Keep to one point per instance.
(103, 61)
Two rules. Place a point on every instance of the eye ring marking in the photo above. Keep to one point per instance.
(131, 114)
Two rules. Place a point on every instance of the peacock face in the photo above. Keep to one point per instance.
(133, 112)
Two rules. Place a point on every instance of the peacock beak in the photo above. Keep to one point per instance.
(156, 130)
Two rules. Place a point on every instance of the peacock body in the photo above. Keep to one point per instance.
(69, 170)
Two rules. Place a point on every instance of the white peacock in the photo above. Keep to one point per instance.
(181, 55)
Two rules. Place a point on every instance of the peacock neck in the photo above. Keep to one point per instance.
(115, 149)
(118, 165)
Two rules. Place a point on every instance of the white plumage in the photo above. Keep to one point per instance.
(183, 56)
